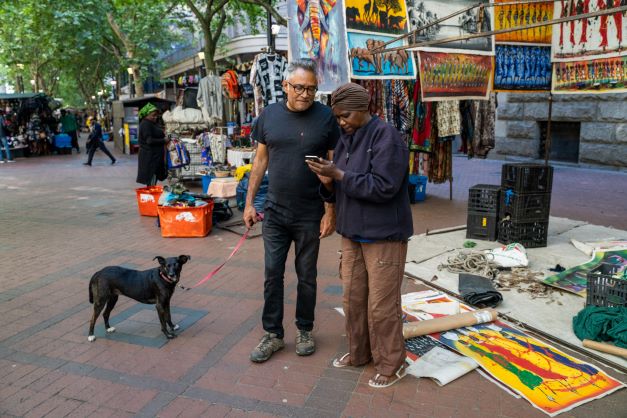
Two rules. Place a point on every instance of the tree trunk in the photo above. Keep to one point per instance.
(137, 80)
(210, 51)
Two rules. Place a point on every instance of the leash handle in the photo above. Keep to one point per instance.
(217, 269)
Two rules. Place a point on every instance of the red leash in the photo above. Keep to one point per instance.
(235, 250)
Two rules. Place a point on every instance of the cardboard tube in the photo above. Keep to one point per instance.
(606, 348)
(446, 323)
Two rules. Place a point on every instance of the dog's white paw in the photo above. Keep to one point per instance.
(91, 338)
(176, 326)
(111, 329)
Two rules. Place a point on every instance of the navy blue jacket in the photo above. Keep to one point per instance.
(372, 200)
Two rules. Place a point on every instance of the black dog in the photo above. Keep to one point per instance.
(154, 286)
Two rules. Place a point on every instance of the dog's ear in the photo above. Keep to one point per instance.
(184, 258)
(161, 260)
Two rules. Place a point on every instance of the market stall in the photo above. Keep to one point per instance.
(125, 120)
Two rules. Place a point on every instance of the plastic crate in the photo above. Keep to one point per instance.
(147, 200)
(417, 193)
(525, 207)
(604, 289)
(527, 178)
(481, 226)
(529, 234)
(484, 198)
(177, 222)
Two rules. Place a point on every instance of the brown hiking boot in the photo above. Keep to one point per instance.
(305, 345)
(267, 346)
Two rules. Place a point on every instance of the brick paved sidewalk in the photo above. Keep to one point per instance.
(61, 221)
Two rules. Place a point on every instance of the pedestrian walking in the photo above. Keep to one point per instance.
(4, 142)
(368, 181)
(95, 143)
(151, 137)
(294, 212)
(70, 127)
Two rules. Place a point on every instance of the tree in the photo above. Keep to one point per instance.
(214, 15)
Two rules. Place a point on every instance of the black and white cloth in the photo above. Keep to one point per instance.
(269, 70)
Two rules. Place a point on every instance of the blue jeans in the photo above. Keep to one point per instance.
(278, 234)
(5, 146)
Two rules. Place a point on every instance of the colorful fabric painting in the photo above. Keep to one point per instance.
(517, 15)
(522, 68)
(382, 16)
(601, 37)
(390, 65)
(471, 22)
(548, 378)
(605, 75)
(454, 76)
(317, 31)
(575, 280)
(421, 130)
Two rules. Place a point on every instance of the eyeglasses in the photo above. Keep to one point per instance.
(301, 89)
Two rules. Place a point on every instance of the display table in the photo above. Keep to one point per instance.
(240, 156)
(223, 187)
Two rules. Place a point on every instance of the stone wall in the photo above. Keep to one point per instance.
(603, 118)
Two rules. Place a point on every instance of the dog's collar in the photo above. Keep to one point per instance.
(165, 277)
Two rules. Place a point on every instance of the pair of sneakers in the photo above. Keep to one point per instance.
(8, 161)
(271, 343)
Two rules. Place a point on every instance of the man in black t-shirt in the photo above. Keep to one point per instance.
(294, 212)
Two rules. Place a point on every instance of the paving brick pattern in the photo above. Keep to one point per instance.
(61, 221)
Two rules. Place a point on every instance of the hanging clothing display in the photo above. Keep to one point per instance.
(210, 99)
(439, 163)
(484, 122)
(269, 69)
(217, 143)
(421, 127)
(449, 118)
(468, 124)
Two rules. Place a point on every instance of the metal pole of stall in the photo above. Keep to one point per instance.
(547, 141)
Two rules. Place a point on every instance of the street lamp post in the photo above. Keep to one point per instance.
(201, 57)
(130, 81)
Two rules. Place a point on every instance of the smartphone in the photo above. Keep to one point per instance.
(313, 158)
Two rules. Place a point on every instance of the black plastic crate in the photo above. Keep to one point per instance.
(529, 234)
(484, 198)
(527, 178)
(525, 207)
(481, 226)
(604, 289)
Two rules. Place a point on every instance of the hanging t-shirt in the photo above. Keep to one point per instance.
(449, 118)
(269, 76)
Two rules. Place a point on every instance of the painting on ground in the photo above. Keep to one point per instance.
(604, 75)
(520, 68)
(366, 65)
(550, 379)
(454, 76)
(575, 279)
(424, 12)
(517, 15)
(317, 32)
(601, 37)
(382, 16)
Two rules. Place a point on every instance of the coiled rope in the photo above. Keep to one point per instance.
(474, 262)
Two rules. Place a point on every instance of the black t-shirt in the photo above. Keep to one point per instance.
(289, 136)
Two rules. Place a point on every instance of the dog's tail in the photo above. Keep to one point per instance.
(91, 292)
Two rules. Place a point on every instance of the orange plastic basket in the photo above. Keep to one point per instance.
(147, 199)
(185, 222)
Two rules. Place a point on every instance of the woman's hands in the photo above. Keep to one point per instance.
(326, 171)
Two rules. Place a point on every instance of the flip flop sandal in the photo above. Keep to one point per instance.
(338, 361)
(400, 373)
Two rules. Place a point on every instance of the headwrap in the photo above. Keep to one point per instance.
(146, 110)
(351, 97)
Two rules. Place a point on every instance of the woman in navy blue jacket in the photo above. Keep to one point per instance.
(368, 181)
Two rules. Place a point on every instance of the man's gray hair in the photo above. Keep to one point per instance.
(304, 64)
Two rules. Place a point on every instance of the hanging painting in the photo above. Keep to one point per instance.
(454, 76)
(600, 37)
(317, 32)
(382, 16)
(522, 68)
(473, 21)
(517, 15)
(575, 279)
(604, 75)
(389, 65)
(550, 379)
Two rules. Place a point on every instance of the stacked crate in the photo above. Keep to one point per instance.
(525, 204)
(483, 212)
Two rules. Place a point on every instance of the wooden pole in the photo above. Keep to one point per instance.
(604, 12)
(547, 141)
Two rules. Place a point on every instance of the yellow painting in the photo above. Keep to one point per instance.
(383, 16)
(519, 15)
